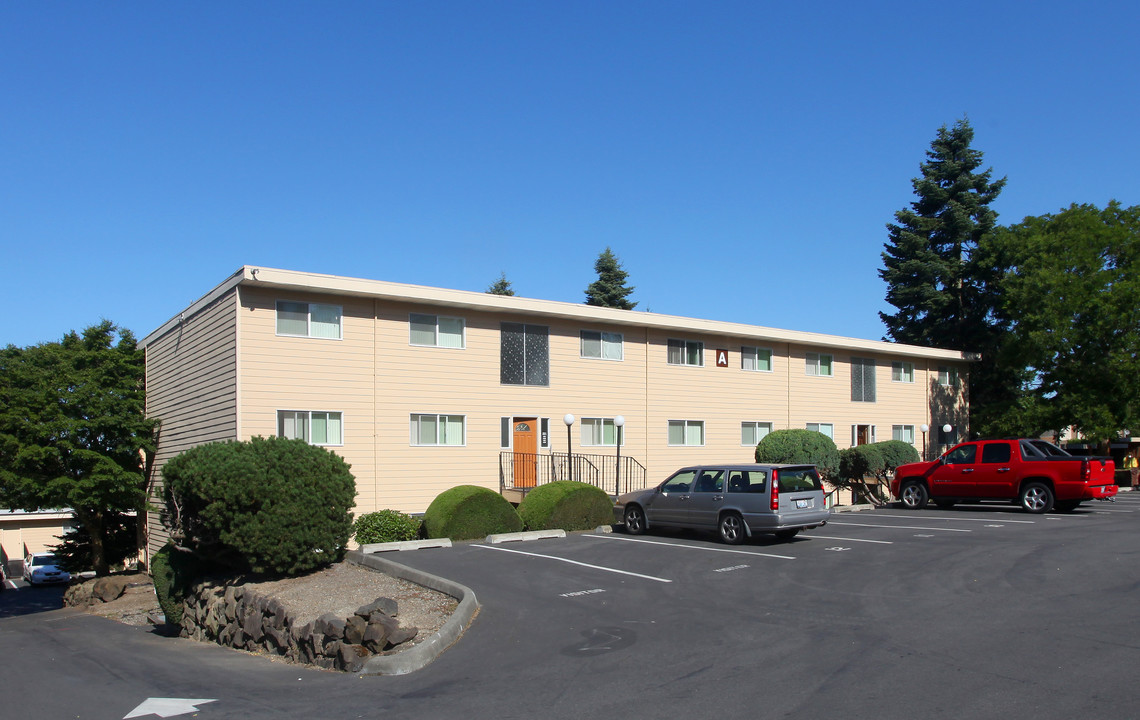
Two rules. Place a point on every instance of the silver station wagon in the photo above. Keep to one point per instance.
(736, 501)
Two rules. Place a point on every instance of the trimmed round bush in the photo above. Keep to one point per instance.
(806, 447)
(467, 512)
(386, 526)
(172, 572)
(858, 462)
(895, 453)
(269, 505)
(566, 505)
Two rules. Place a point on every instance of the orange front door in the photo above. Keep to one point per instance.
(526, 452)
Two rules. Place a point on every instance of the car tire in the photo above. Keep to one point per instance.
(913, 495)
(634, 520)
(731, 528)
(1036, 498)
(787, 534)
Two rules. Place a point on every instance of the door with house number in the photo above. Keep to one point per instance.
(526, 452)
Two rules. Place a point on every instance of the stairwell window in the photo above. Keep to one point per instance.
(439, 430)
(862, 380)
(314, 427)
(686, 432)
(524, 354)
(316, 320)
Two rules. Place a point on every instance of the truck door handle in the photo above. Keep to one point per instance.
(967, 470)
(1004, 469)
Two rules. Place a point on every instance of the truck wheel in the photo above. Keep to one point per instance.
(1036, 498)
(913, 495)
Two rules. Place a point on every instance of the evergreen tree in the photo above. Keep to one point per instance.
(73, 433)
(502, 286)
(941, 275)
(609, 290)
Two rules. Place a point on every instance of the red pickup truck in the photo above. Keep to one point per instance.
(1036, 474)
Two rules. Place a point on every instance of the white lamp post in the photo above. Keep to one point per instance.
(569, 420)
(619, 422)
(946, 429)
(925, 429)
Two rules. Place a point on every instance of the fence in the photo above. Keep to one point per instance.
(527, 470)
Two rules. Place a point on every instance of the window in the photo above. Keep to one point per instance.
(524, 357)
(862, 380)
(818, 364)
(316, 320)
(438, 430)
(601, 345)
(436, 331)
(751, 433)
(686, 352)
(903, 432)
(504, 432)
(710, 481)
(599, 431)
(995, 453)
(756, 358)
(826, 428)
(747, 481)
(316, 428)
(947, 376)
(962, 455)
(902, 372)
(679, 483)
(686, 432)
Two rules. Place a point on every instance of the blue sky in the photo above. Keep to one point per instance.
(741, 158)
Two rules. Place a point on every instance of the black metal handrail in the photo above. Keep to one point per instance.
(521, 471)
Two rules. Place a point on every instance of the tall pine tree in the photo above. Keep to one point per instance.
(609, 290)
(502, 286)
(939, 271)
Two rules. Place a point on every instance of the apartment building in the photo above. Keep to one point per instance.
(422, 388)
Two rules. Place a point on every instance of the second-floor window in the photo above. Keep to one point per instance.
(524, 356)
(947, 376)
(601, 345)
(300, 319)
(686, 352)
(818, 364)
(436, 331)
(756, 358)
(902, 372)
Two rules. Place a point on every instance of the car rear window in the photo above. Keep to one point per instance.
(747, 481)
(799, 479)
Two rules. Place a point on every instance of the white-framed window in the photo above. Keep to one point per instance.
(599, 432)
(818, 364)
(431, 429)
(436, 331)
(686, 432)
(862, 380)
(903, 432)
(316, 320)
(757, 359)
(316, 427)
(827, 429)
(902, 371)
(947, 376)
(686, 352)
(751, 433)
(602, 345)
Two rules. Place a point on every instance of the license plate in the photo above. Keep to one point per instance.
(801, 504)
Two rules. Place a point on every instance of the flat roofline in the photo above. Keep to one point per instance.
(296, 281)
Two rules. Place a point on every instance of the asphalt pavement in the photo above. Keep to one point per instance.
(980, 612)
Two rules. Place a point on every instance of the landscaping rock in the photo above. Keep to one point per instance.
(354, 629)
(108, 588)
(385, 605)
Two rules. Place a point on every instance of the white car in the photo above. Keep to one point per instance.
(41, 568)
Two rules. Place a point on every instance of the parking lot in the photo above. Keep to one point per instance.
(980, 611)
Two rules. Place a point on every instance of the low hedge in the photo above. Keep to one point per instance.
(566, 505)
(385, 526)
(467, 512)
(173, 572)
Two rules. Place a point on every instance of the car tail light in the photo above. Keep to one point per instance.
(1086, 470)
(775, 490)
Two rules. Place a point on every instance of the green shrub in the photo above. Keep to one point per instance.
(467, 512)
(895, 453)
(806, 447)
(566, 505)
(173, 572)
(269, 505)
(858, 462)
(386, 526)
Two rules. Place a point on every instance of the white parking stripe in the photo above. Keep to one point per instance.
(825, 537)
(691, 547)
(573, 562)
(948, 519)
(898, 527)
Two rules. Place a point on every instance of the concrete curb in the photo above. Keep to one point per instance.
(524, 536)
(424, 653)
(852, 508)
(405, 545)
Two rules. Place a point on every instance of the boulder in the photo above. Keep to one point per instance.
(375, 637)
(252, 627)
(349, 657)
(385, 605)
(354, 629)
(330, 624)
(109, 588)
